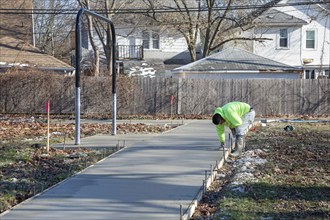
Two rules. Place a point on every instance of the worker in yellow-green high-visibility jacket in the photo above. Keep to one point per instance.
(238, 116)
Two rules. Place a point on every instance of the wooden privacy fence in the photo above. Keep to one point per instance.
(201, 96)
(27, 93)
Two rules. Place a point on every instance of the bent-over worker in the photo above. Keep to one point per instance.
(238, 116)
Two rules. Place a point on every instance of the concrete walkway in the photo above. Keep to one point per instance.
(149, 179)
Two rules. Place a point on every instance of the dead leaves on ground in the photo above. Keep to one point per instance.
(27, 170)
(297, 172)
(13, 130)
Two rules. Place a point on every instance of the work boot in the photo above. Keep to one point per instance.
(239, 146)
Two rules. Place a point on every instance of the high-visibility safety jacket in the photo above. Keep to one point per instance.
(233, 113)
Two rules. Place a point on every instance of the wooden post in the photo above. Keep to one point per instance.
(48, 119)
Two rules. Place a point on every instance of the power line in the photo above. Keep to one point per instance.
(146, 11)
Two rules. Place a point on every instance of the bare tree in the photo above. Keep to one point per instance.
(100, 31)
(18, 23)
(96, 51)
(52, 28)
(324, 14)
(215, 21)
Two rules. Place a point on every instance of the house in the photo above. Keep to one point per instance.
(236, 63)
(159, 41)
(158, 44)
(16, 40)
(301, 36)
(140, 41)
(20, 54)
(298, 29)
(159, 49)
(152, 48)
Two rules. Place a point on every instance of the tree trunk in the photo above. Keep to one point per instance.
(96, 55)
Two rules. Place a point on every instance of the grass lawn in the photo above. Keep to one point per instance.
(295, 181)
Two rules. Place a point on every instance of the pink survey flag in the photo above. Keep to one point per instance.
(47, 105)
(171, 99)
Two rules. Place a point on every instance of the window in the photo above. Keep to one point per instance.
(150, 40)
(310, 39)
(145, 39)
(309, 74)
(155, 40)
(132, 41)
(133, 51)
(283, 38)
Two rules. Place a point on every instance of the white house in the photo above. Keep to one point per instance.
(157, 43)
(160, 42)
(150, 50)
(301, 36)
(142, 49)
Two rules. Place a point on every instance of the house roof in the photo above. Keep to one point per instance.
(16, 23)
(275, 17)
(15, 52)
(235, 60)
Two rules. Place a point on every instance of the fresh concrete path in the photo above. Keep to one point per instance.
(147, 180)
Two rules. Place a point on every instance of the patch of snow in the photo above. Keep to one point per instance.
(57, 133)
(250, 161)
(13, 180)
(18, 64)
(218, 176)
(240, 189)
(241, 178)
(245, 169)
(142, 70)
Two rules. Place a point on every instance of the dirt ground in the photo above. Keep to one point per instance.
(284, 174)
(293, 183)
(26, 168)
